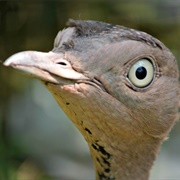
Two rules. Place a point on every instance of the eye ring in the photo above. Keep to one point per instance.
(141, 73)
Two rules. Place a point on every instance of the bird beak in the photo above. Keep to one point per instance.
(49, 67)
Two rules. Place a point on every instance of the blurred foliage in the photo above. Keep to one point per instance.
(33, 24)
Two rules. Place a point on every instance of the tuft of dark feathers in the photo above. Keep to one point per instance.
(94, 28)
(103, 31)
(90, 28)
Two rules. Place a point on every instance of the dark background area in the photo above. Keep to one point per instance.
(37, 141)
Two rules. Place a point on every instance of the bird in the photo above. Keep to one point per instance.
(119, 86)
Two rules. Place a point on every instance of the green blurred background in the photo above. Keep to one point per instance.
(37, 141)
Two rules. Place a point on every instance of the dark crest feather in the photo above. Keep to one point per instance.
(87, 28)
(94, 28)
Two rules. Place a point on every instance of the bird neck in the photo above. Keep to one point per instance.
(119, 149)
(124, 158)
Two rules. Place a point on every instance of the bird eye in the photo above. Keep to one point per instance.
(141, 73)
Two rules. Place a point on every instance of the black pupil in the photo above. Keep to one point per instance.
(141, 72)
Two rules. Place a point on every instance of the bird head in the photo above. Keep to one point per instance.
(125, 75)
(111, 81)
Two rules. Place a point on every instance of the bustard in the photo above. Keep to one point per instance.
(119, 87)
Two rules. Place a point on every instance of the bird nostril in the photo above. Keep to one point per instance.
(62, 63)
